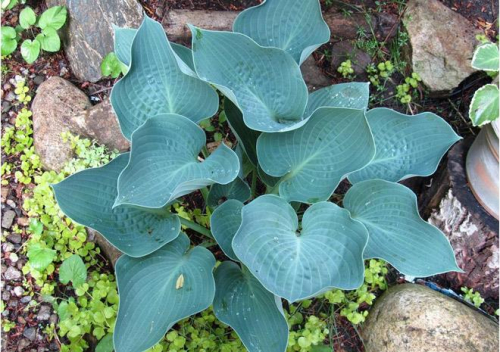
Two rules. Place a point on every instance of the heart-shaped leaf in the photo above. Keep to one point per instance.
(159, 290)
(486, 58)
(296, 264)
(296, 26)
(484, 105)
(253, 312)
(87, 197)
(406, 145)
(397, 233)
(237, 189)
(164, 163)
(39, 257)
(54, 17)
(9, 41)
(313, 159)
(353, 95)
(49, 40)
(225, 222)
(27, 17)
(30, 49)
(264, 83)
(73, 269)
(155, 84)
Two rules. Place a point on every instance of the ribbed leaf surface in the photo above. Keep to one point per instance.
(225, 222)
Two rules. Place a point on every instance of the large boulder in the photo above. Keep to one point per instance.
(414, 318)
(442, 42)
(88, 36)
(58, 107)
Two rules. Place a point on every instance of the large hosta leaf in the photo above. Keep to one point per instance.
(237, 189)
(486, 58)
(264, 83)
(295, 26)
(397, 233)
(313, 159)
(164, 163)
(159, 290)
(353, 95)
(155, 84)
(296, 264)
(225, 222)
(87, 197)
(253, 312)
(406, 145)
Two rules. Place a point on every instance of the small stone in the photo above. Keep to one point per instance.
(53, 319)
(13, 303)
(10, 96)
(12, 274)
(38, 80)
(4, 269)
(18, 291)
(11, 203)
(5, 313)
(44, 313)
(7, 86)
(7, 247)
(5, 295)
(14, 238)
(5, 192)
(30, 333)
(8, 218)
(25, 299)
(21, 320)
(13, 257)
(22, 344)
(23, 221)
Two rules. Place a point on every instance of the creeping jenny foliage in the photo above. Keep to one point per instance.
(300, 145)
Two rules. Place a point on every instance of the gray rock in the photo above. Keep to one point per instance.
(53, 319)
(442, 42)
(7, 247)
(12, 274)
(25, 299)
(8, 218)
(313, 75)
(86, 48)
(14, 238)
(44, 313)
(18, 291)
(59, 107)
(346, 50)
(10, 96)
(5, 295)
(414, 318)
(30, 333)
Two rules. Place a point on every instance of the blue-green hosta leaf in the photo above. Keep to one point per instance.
(326, 253)
(252, 311)
(486, 58)
(224, 223)
(296, 26)
(313, 159)
(237, 189)
(397, 233)
(484, 105)
(87, 197)
(164, 163)
(406, 145)
(354, 95)
(264, 83)
(159, 290)
(156, 84)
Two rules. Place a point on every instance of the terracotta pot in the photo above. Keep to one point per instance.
(482, 168)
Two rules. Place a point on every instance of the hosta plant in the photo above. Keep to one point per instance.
(282, 237)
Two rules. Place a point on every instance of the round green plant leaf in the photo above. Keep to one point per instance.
(54, 17)
(313, 159)
(164, 163)
(397, 233)
(73, 269)
(30, 49)
(406, 145)
(484, 105)
(486, 58)
(155, 83)
(237, 189)
(225, 222)
(253, 312)
(296, 264)
(111, 66)
(296, 26)
(159, 290)
(87, 197)
(39, 257)
(353, 95)
(9, 41)
(264, 83)
(49, 40)
(27, 17)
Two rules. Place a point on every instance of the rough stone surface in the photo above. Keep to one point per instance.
(414, 318)
(442, 42)
(86, 48)
(44, 313)
(313, 75)
(7, 218)
(30, 333)
(58, 107)
(12, 274)
(346, 50)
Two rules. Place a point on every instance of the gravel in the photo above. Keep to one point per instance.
(30, 334)
(12, 274)
(8, 219)
(44, 313)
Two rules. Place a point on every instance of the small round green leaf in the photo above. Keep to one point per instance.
(27, 17)
(297, 264)
(9, 41)
(225, 222)
(486, 58)
(252, 311)
(54, 17)
(111, 66)
(398, 234)
(73, 269)
(49, 40)
(484, 105)
(159, 290)
(39, 257)
(30, 49)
